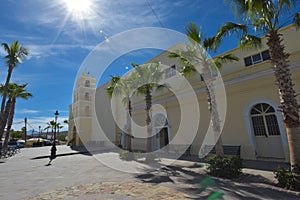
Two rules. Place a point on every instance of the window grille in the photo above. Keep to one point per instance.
(264, 120)
(169, 72)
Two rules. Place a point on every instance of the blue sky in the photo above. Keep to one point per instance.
(60, 37)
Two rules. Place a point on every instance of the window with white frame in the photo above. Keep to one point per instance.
(169, 72)
(257, 58)
(264, 120)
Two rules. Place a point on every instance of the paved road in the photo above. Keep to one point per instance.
(81, 176)
(20, 176)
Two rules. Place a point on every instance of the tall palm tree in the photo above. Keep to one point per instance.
(123, 87)
(50, 125)
(58, 127)
(15, 91)
(265, 18)
(4, 116)
(47, 130)
(196, 53)
(149, 77)
(15, 54)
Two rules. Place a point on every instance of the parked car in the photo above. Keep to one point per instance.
(47, 142)
(13, 144)
(16, 143)
(21, 143)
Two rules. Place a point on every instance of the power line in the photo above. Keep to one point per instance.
(159, 21)
(20, 122)
(30, 126)
(154, 13)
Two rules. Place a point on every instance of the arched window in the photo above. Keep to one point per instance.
(87, 96)
(87, 83)
(160, 121)
(264, 120)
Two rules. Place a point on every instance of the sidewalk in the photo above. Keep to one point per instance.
(78, 175)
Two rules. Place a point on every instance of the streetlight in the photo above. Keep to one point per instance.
(53, 148)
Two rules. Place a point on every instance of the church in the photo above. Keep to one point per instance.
(253, 119)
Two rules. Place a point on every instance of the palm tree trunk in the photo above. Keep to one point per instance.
(287, 94)
(10, 68)
(4, 118)
(9, 123)
(128, 134)
(212, 107)
(5, 143)
(148, 119)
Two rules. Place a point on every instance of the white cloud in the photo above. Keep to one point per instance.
(40, 51)
(28, 111)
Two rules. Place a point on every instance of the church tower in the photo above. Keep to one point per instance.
(81, 110)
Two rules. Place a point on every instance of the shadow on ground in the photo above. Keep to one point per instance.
(193, 181)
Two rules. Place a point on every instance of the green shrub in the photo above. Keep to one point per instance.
(287, 178)
(126, 155)
(137, 154)
(225, 167)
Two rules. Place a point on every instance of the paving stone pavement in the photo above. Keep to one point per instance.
(81, 176)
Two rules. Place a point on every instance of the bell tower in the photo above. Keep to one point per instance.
(81, 110)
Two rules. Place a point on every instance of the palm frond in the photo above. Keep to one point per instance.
(173, 55)
(179, 55)
(230, 28)
(187, 70)
(6, 47)
(259, 23)
(285, 3)
(210, 44)
(137, 68)
(220, 60)
(15, 53)
(134, 64)
(193, 33)
(250, 41)
(297, 20)
(113, 82)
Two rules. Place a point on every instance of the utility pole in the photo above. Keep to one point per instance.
(25, 130)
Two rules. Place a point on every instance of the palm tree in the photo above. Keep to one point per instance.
(263, 16)
(46, 129)
(196, 54)
(149, 76)
(15, 54)
(50, 125)
(58, 126)
(15, 91)
(123, 87)
(4, 116)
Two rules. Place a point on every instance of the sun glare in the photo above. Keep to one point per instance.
(78, 7)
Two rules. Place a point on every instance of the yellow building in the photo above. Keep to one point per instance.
(84, 129)
(253, 119)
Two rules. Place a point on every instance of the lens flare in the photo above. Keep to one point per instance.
(78, 6)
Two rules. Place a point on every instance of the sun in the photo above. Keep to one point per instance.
(78, 7)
